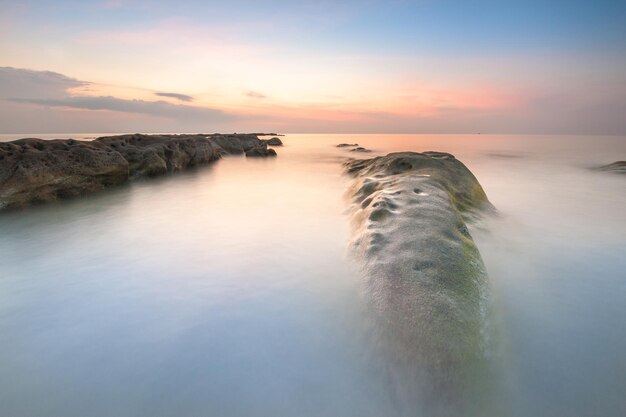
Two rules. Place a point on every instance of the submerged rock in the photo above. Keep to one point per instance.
(37, 171)
(422, 271)
(360, 149)
(275, 141)
(260, 152)
(346, 145)
(618, 167)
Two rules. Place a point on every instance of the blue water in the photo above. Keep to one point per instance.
(229, 290)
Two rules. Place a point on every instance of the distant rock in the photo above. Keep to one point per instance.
(154, 155)
(504, 155)
(236, 144)
(618, 167)
(266, 134)
(38, 171)
(260, 152)
(356, 147)
(275, 141)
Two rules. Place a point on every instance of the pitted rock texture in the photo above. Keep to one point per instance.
(422, 271)
(38, 171)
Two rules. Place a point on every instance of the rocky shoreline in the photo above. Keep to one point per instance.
(34, 171)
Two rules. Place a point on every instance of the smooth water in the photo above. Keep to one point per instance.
(229, 290)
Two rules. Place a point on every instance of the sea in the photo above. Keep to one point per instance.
(230, 291)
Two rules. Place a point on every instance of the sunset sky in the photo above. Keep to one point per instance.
(313, 66)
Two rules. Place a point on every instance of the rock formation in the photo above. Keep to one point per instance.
(260, 152)
(360, 149)
(275, 141)
(36, 171)
(422, 272)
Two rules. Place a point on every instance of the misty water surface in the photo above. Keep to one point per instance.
(229, 290)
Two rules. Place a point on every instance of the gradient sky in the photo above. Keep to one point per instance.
(313, 66)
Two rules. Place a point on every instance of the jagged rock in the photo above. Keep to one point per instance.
(36, 170)
(360, 149)
(237, 143)
(152, 155)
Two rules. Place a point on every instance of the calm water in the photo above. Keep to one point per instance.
(229, 290)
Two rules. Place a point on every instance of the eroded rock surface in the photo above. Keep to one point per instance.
(37, 171)
(153, 155)
(422, 271)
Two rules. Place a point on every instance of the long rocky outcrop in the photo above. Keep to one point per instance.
(422, 271)
(37, 171)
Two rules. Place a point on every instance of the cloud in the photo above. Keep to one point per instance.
(255, 94)
(25, 83)
(152, 108)
(44, 101)
(181, 97)
(24, 91)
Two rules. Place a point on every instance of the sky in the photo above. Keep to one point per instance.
(394, 66)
